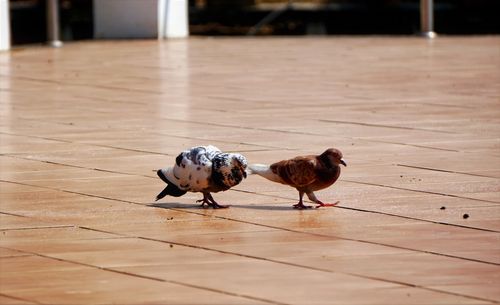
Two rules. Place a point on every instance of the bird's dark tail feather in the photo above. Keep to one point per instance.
(162, 194)
(162, 176)
(171, 189)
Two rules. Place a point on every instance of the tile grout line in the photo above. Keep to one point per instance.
(79, 143)
(240, 255)
(454, 97)
(12, 214)
(14, 256)
(293, 264)
(384, 126)
(242, 221)
(269, 227)
(145, 276)
(60, 82)
(74, 166)
(421, 191)
(389, 214)
(279, 131)
(263, 147)
(407, 144)
(418, 219)
(273, 196)
(37, 228)
(20, 299)
(444, 171)
(344, 238)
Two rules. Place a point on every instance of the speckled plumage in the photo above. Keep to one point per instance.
(204, 169)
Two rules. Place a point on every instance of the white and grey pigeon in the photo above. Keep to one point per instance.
(204, 169)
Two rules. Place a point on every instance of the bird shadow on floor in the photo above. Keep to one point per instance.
(263, 207)
(175, 205)
(239, 206)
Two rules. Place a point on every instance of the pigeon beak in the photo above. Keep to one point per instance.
(343, 162)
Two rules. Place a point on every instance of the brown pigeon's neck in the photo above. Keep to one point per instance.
(323, 158)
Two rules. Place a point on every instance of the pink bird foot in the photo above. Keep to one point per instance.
(321, 204)
(301, 206)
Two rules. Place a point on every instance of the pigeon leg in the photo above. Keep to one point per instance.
(214, 203)
(209, 200)
(313, 198)
(203, 201)
(300, 205)
(321, 204)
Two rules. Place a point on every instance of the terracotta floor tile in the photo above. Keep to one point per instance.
(275, 281)
(4, 299)
(98, 286)
(84, 128)
(8, 222)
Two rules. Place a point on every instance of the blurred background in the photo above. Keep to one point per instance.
(274, 17)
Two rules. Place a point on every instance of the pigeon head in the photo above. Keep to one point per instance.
(228, 169)
(333, 156)
(240, 164)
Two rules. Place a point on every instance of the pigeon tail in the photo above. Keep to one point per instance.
(255, 169)
(162, 176)
(171, 189)
(263, 170)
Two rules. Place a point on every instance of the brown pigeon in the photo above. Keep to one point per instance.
(305, 173)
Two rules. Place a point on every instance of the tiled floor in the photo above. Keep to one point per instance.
(83, 128)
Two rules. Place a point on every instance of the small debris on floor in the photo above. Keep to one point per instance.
(443, 208)
(466, 216)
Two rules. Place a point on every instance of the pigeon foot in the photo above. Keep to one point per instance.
(209, 200)
(321, 204)
(301, 206)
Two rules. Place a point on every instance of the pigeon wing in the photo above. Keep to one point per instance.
(193, 168)
(170, 189)
(297, 172)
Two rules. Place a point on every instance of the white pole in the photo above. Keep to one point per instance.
(172, 19)
(4, 25)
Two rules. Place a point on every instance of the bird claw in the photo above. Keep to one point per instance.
(301, 206)
(321, 204)
(213, 204)
(203, 201)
